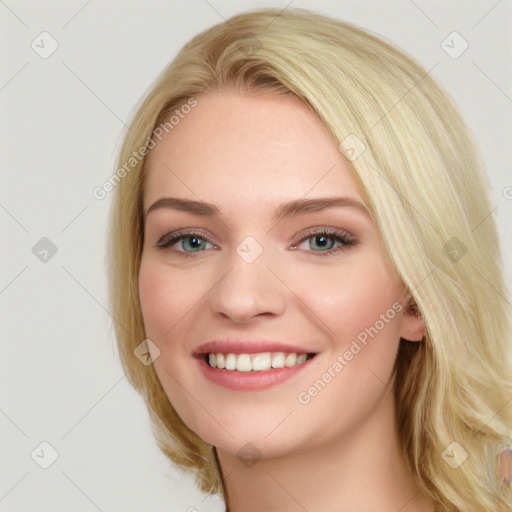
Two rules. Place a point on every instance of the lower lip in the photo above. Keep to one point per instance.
(250, 381)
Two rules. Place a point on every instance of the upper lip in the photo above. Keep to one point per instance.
(233, 346)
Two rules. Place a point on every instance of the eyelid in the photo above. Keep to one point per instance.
(347, 239)
(327, 230)
(175, 235)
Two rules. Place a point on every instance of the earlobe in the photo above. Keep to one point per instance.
(412, 328)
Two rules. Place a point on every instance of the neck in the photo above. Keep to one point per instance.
(360, 470)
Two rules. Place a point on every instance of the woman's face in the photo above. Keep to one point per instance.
(263, 280)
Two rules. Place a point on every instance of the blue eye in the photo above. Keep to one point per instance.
(189, 242)
(322, 241)
(194, 243)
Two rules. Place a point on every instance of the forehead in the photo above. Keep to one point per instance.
(240, 150)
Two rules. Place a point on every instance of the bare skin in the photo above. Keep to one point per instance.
(333, 449)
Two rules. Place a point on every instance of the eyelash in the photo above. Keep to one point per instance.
(337, 235)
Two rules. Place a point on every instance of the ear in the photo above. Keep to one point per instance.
(412, 327)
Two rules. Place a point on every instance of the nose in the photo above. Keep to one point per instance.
(246, 291)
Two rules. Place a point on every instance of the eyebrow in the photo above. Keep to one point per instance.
(289, 209)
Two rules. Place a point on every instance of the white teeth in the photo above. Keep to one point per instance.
(230, 362)
(291, 360)
(262, 361)
(243, 363)
(255, 362)
(221, 363)
(278, 360)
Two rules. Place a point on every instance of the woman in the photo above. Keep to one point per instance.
(301, 256)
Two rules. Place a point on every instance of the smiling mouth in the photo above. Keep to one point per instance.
(256, 362)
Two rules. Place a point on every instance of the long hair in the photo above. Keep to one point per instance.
(423, 180)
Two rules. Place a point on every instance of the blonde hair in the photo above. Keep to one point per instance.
(425, 186)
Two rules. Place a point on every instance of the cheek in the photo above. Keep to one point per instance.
(155, 302)
(164, 298)
(352, 297)
(361, 306)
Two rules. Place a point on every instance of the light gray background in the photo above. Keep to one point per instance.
(61, 123)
